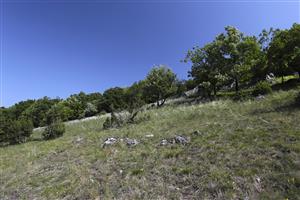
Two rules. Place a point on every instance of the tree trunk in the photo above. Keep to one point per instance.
(215, 91)
(282, 79)
(236, 85)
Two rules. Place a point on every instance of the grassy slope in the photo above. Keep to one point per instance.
(248, 150)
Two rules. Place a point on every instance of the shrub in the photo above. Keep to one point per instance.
(54, 130)
(14, 131)
(120, 119)
(107, 123)
(242, 95)
(262, 88)
(90, 110)
(19, 131)
(117, 120)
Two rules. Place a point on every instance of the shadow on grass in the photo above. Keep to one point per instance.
(6, 144)
(290, 84)
(35, 139)
(287, 108)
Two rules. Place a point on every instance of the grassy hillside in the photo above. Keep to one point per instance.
(244, 150)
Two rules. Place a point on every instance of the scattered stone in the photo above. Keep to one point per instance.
(260, 97)
(109, 141)
(149, 136)
(258, 184)
(176, 140)
(164, 142)
(131, 142)
(270, 78)
(181, 140)
(78, 141)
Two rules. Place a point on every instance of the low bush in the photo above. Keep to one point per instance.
(117, 120)
(54, 130)
(15, 131)
(261, 88)
(242, 95)
(107, 123)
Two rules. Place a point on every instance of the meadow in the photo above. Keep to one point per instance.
(237, 150)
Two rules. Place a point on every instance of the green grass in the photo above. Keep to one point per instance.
(247, 149)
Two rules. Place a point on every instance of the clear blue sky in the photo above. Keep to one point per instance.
(57, 48)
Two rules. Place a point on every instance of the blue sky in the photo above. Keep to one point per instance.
(57, 48)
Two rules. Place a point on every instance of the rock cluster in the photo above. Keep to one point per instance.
(112, 140)
(131, 142)
(109, 141)
(178, 139)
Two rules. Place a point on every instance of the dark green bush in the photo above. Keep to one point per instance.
(15, 131)
(107, 124)
(54, 130)
(20, 131)
(116, 120)
(261, 88)
(242, 95)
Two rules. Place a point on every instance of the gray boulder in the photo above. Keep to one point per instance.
(131, 142)
(181, 140)
(164, 142)
(109, 141)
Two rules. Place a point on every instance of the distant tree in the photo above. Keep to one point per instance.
(190, 83)
(181, 87)
(241, 54)
(90, 110)
(284, 51)
(134, 98)
(76, 103)
(37, 111)
(114, 99)
(208, 66)
(277, 57)
(292, 48)
(260, 68)
(57, 112)
(15, 111)
(160, 83)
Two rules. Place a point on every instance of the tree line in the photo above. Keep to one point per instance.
(235, 59)
(232, 61)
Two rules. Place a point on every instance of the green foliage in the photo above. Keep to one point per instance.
(117, 120)
(54, 130)
(134, 96)
(14, 131)
(107, 123)
(262, 88)
(15, 111)
(229, 58)
(37, 111)
(76, 103)
(57, 112)
(90, 110)
(284, 51)
(160, 83)
(114, 99)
